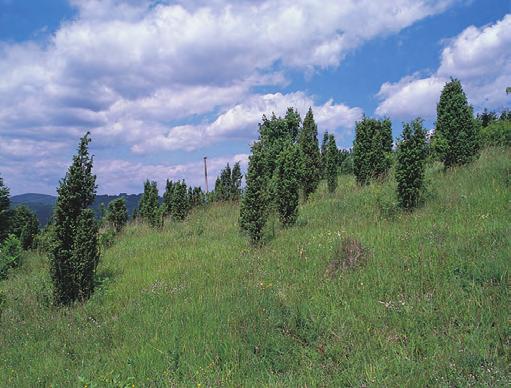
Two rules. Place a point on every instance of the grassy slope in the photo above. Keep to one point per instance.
(194, 304)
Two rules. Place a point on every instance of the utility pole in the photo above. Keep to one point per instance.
(206, 172)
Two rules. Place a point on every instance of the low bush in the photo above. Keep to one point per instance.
(10, 254)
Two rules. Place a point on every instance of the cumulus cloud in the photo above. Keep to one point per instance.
(151, 75)
(479, 57)
(241, 121)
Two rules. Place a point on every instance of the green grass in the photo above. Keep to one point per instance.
(195, 304)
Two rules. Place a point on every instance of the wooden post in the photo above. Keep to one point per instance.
(206, 173)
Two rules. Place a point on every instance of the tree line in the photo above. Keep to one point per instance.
(285, 168)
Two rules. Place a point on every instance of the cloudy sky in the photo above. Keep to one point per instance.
(160, 84)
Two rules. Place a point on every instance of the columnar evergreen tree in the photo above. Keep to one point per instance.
(74, 254)
(4, 210)
(293, 122)
(85, 254)
(148, 208)
(324, 143)
(372, 149)
(167, 197)
(411, 157)
(196, 197)
(223, 184)
(455, 125)
(287, 184)
(308, 141)
(254, 204)
(236, 182)
(24, 225)
(331, 163)
(117, 214)
(180, 204)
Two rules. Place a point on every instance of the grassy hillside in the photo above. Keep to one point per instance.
(193, 304)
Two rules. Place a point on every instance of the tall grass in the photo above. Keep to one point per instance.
(195, 304)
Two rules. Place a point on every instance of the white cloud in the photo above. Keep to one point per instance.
(241, 121)
(479, 57)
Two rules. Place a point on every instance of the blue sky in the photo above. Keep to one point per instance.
(161, 84)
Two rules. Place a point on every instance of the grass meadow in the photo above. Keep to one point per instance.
(194, 305)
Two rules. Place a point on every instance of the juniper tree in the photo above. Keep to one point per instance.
(148, 208)
(24, 225)
(85, 256)
(223, 184)
(236, 181)
(73, 255)
(308, 141)
(254, 203)
(196, 197)
(4, 210)
(411, 157)
(167, 197)
(324, 143)
(455, 126)
(293, 122)
(371, 149)
(180, 204)
(117, 214)
(287, 184)
(331, 156)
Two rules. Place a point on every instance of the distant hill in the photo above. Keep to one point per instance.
(43, 204)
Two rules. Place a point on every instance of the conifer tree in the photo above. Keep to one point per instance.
(223, 184)
(254, 204)
(148, 207)
(372, 149)
(236, 182)
(74, 254)
(85, 254)
(24, 225)
(4, 210)
(293, 122)
(287, 184)
(168, 197)
(180, 204)
(308, 141)
(196, 197)
(331, 155)
(324, 143)
(411, 157)
(117, 214)
(455, 126)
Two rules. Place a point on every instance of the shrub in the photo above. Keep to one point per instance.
(117, 214)
(10, 254)
(148, 208)
(286, 185)
(411, 157)
(24, 225)
(456, 125)
(498, 133)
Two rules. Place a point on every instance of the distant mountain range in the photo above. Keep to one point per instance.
(43, 204)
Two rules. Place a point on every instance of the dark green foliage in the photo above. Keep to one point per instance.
(308, 141)
(324, 143)
(228, 183)
(68, 259)
(167, 197)
(287, 184)
(148, 208)
(411, 157)
(117, 214)
(85, 257)
(179, 199)
(254, 204)
(4, 210)
(223, 185)
(10, 254)
(455, 125)
(331, 162)
(293, 122)
(487, 117)
(345, 161)
(196, 197)
(24, 225)
(372, 150)
(498, 133)
(236, 178)
(505, 115)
